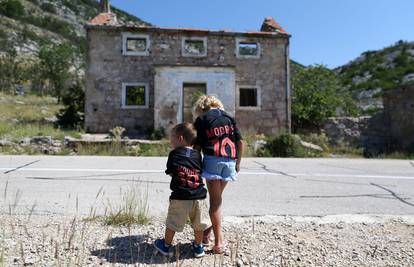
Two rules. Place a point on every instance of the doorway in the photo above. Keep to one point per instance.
(191, 92)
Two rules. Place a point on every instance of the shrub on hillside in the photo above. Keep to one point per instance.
(72, 115)
(48, 7)
(12, 9)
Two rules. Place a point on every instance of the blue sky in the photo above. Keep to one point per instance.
(330, 32)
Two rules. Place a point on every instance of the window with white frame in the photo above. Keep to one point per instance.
(249, 97)
(246, 48)
(135, 44)
(135, 95)
(194, 46)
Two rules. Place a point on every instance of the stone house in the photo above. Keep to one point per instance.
(145, 78)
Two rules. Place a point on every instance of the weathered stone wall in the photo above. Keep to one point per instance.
(108, 69)
(399, 115)
(390, 130)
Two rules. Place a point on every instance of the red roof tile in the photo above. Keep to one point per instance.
(270, 25)
(104, 19)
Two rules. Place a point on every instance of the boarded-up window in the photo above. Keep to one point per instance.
(248, 49)
(248, 97)
(136, 44)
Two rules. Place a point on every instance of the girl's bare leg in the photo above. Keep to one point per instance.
(215, 189)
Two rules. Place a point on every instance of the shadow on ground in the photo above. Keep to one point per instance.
(138, 249)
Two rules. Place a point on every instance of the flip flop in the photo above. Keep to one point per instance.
(219, 249)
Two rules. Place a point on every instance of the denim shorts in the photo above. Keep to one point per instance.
(218, 168)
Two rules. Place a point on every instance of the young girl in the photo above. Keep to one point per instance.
(221, 142)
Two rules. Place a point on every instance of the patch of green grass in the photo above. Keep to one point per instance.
(30, 150)
(118, 149)
(25, 116)
(104, 149)
(345, 150)
(249, 140)
(397, 155)
(153, 150)
(16, 132)
(133, 208)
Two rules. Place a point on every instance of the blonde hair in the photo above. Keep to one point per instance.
(205, 103)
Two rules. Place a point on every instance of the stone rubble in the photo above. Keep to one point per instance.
(54, 240)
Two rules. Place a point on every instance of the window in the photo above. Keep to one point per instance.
(194, 47)
(135, 44)
(249, 97)
(134, 95)
(247, 48)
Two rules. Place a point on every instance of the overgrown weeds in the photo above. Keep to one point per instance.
(132, 209)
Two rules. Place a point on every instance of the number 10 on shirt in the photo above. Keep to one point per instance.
(220, 148)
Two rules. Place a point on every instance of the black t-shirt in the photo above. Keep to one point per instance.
(217, 134)
(184, 165)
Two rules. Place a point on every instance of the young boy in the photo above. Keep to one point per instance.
(188, 195)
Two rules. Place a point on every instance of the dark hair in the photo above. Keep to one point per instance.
(187, 131)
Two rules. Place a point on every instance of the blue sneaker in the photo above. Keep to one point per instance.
(198, 250)
(159, 244)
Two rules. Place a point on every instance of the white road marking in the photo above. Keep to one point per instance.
(367, 176)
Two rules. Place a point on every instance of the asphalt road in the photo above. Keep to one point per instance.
(303, 187)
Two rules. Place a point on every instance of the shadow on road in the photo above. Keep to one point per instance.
(137, 249)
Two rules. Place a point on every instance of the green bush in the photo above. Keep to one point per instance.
(54, 25)
(48, 7)
(12, 9)
(156, 134)
(316, 95)
(284, 145)
(72, 115)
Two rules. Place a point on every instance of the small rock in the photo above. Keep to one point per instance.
(42, 140)
(311, 146)
(5, 142)
(25, 141)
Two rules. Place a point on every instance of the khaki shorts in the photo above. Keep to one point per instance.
(180, 210)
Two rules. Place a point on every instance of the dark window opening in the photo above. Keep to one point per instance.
(248, 97)
(135, 95)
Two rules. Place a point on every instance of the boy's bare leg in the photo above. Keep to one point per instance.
(198, 237)
(169, 236)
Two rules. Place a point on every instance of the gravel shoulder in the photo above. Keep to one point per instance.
(254, 241)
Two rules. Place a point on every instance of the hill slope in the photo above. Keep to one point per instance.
(374, 71)
(28, 23)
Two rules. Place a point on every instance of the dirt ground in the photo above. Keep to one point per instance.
(253, 241)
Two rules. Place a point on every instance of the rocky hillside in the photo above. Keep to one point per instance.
(26, 24)
(374, 71)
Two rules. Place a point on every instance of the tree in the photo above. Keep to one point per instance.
(12, 71)
(317, 95)
(72, 115)
(56, 61)
(12, 9)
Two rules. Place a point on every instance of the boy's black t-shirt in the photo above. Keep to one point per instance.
(184, 165)
(217, 134)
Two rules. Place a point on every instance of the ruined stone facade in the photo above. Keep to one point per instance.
(399, 117)
(387, 131)
(144, 78)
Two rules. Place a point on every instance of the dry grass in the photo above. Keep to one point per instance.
(133, 208)
(25, 116)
